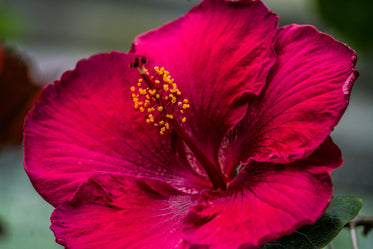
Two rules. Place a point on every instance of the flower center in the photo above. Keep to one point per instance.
(158, 97)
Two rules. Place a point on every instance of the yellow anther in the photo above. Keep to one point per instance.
(152, 98)
(166, 78)
(160, 71)
(142, 91)
(151, 118)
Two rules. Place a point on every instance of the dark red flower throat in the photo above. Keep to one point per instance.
(163, 106)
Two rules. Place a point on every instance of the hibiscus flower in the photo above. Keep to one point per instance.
(213, 132)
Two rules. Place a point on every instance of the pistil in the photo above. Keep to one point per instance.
(166, 109)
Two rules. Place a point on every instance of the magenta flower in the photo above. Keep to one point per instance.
(228, 148)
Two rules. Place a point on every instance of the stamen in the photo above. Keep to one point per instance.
(164, 108)
(161, 94)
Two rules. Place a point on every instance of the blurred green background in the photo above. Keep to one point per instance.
(54, 35)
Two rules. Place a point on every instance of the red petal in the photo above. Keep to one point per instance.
(86, 123)
(265, 202)
(117, 211)
(216, 53)
(308, 91)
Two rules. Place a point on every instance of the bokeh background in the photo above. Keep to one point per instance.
(52, 35)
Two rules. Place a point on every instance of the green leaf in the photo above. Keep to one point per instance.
(318, 235)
